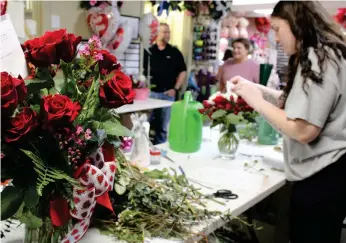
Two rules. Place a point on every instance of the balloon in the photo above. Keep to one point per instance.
(223, 45)
(121, 41)
(3, 7)
(234, 32)
(104, 21)
(148, 29)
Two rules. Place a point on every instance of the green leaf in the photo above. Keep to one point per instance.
(120, 189)
(11, 199)
(35, 108)
(35, 85)
(116, 129)
(30, 220)
(31, 197)
(218, 114)
(234, 119)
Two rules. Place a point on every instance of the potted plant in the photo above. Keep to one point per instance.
(140, 87)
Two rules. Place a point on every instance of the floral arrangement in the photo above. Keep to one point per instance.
(58, 135)
(228, 110)
(60, 148)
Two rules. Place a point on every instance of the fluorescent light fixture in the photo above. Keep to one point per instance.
(263, 11)
(252, 2)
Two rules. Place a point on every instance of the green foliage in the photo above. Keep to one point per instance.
(158, 203)
(11, 199)
(31, 197)
(42, 80)
(25, 216)
(47, 174)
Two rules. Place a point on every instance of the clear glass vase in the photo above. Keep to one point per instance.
(44, 234)
(228, 145)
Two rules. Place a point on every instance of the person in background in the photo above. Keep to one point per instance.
(240, 64)
(310, 113)
(168, 74)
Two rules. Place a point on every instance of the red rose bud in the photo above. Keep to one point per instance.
(206, 104)
(109, 61)
(59, 212)
(58, 110)
(228, 106)
(117, 91)
(220, 100)
(52, 47)
(202, 111)
(13, 91)
(20, 125)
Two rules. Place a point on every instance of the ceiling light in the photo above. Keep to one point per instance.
(263, 11)
(252, 2)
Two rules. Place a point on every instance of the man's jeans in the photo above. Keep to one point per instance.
(159, 119)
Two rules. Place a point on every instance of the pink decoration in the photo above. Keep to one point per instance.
(142, 94)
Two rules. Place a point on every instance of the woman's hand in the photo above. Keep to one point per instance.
(248, 90)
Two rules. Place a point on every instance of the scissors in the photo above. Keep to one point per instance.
(225, 194)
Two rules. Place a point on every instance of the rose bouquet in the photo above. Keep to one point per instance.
(58, 136)
(60, 150)
(227, 110)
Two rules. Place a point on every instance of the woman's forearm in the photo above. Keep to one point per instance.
(271, 95)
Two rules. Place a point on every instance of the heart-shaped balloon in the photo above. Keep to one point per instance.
(148, 29)
(121, 41)
(104, 21)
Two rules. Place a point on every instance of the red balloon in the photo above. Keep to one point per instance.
(3, 7)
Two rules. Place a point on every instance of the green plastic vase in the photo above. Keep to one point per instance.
(186, 123)
(267, 135)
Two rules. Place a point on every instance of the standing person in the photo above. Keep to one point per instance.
(240, 64)
(310, 113)
(168, 73)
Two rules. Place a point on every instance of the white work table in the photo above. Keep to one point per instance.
(251, 181)
(141, 105)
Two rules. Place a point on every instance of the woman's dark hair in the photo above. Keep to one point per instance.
(243, 41)
(313, 27)
(228, 54)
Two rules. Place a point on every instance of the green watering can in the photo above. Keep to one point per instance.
(186, 123)
(267, 135)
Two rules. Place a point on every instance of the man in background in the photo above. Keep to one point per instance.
(168, 73)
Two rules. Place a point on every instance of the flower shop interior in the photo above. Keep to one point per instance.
(93, 149)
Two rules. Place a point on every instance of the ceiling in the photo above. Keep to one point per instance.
(247, 7)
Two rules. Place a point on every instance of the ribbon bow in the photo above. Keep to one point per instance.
(98, 178)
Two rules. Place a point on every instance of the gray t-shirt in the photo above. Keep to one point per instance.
(323, 106)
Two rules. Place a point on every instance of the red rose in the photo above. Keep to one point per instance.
(220, 102)
(117, 91)
(13, 91)
(109, 61)
(58, 110)
(21, 124)
(206, 104)
(52, 47)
